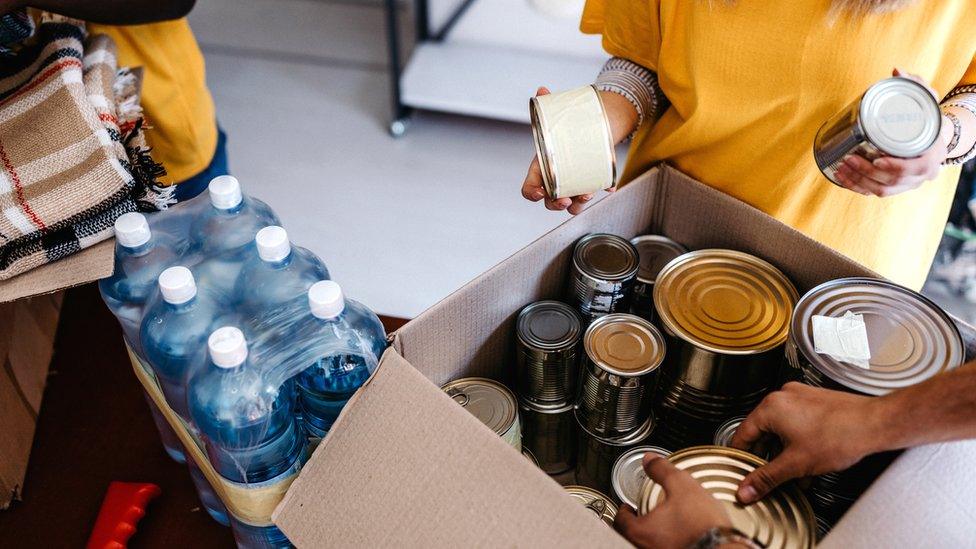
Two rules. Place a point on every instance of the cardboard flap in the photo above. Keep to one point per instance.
(927, 498)
(83, 267)
(406, 456)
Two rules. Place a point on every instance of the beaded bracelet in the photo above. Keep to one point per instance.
(965, 104)
(634, 83)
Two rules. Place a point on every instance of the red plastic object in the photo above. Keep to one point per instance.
(124, 505)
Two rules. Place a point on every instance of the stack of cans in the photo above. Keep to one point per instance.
(910, 340)
(602, 275)
(547, 345)
(492, 403)
(619, 373)
(726, 315)
(781, 520)
(766, 449)
(655, 252)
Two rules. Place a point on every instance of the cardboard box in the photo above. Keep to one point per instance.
(406, 466)
(29, 309)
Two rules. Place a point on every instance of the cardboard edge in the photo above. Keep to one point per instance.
(86, 266)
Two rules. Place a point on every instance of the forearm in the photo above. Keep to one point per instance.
(631, 95)
(938, 410)
(109, 12)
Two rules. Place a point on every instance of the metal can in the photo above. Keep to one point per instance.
(895, 117)
(602, 274)
(628, 474)
(726, 316)
(549, 431)
(623, 353)
(597, 455)
(599, 503)
(655, 252)
(726, 431)
(910, 338)
(573, 142)
(783, 519)
(547, 341)
(529, 456)
(492, 403)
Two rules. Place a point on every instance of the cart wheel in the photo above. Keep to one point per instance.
(398, 127)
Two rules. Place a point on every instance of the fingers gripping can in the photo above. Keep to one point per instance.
(547, 341)
(603, 271)
(573, 142)
(492, 403)
(628, 474)
(895, 117)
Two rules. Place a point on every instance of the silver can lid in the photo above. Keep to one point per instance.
(605, 257)
(628, 475)
(547, 408)
(655, 252)
(548, 326)
(726, 431)
(486, 399)
(910, 338)
(900, 117)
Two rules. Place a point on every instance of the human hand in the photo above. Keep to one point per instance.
(686, 514)
(821, 431)
(888, 175)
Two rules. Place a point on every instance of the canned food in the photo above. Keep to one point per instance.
(910, 338)
(573, 142)
(529, 456)
(623, 353)
(597, 502)
(547, 351)
(895, 117)
(549, 431)
(492, 403)
(726, 432)
(782, 519)
(602, 275)
(628, 474)
(597, 455)
(655, 252)
(726, 316)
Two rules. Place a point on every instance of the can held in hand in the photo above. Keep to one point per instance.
(599, 503)
(623, 353)
(895, 117)
(597, 455)
(549, 431)
(628, 476)
(726, 432)
(602, 274)
(573, 142)
(781, 520)
(492, 403)
(726, 316)
(547, 346)
(655, 252)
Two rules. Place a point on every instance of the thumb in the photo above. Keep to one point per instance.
(542, 91)
(766, 478)
(896, 72)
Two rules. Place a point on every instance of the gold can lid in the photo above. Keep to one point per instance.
(486, 399)
(725, 301)
(655, 252)
(606, 257)
(781, 520)
(628, 475)
(910, 338)
(598, 503)
(624, 344)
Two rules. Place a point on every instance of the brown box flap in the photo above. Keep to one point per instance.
(83, 267)
(406, 466)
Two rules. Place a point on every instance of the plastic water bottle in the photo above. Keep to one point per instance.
(247, 424)
(174, 334)
(140, 255)
(278, 274)
(358, 339)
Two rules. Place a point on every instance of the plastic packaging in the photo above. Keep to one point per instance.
(277, 274)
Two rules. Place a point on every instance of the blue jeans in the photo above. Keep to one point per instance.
(186, 190)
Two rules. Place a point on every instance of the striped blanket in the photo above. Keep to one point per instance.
(73, 156)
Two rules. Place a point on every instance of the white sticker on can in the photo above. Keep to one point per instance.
(845, 339)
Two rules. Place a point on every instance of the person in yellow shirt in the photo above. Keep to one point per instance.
(733, 93)
(176, 102)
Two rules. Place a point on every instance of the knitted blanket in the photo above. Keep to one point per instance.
(73, 156)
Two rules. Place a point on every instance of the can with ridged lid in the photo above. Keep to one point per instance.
(547, 349)
(654, 251)
(628, 476)
(492, 403)
(597, 502)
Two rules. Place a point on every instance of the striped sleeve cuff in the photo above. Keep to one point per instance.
(636, 84)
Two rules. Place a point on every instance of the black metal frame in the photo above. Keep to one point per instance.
(423, 33)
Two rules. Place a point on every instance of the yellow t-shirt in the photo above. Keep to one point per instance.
(750, 83)
(175, 99)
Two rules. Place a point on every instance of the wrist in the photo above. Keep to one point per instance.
(621, 114)
(880, 431)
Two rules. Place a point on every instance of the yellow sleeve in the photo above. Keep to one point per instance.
(631, 29)
(969, 77)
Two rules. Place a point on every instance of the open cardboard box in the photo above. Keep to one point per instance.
(406, 466)
(29, 308)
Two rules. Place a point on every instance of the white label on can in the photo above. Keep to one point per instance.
(845, 339)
